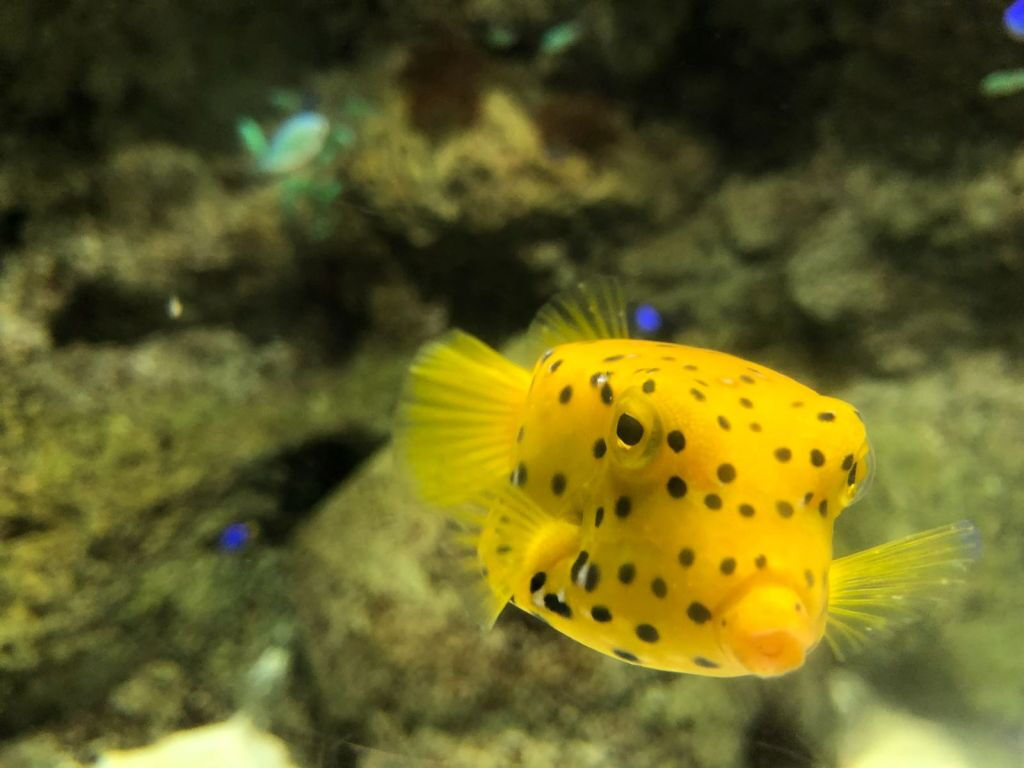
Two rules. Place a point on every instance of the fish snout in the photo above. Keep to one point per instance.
(767, 630)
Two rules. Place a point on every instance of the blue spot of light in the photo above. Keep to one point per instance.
(647, 318)
(1013, 20)
(234, 537)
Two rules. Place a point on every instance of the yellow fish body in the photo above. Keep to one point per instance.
(670, 506)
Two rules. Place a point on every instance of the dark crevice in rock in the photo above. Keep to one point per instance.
(772, 740)
(306, 474)
(309, 304)
(20, 525)
(101, 312)
(12, 228)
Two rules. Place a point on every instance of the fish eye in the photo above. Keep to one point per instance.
(861, 477)
(864, 484)
(636, 430)
(629, 430)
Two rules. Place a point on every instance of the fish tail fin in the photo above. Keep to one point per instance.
(872, 591)
(457, 418)
(252, 137)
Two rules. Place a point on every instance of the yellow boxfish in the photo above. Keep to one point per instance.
(665, 505)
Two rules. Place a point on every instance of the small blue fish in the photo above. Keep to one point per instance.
(647, 318)
(235, 536)
(1013, 20)
(297, 141)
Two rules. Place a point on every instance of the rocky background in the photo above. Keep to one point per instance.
(185, 346)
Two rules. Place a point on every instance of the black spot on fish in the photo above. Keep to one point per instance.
(760, 561)
(826, 416)
(554, 366)
(607, 396)
(558, 484)
(519, 476)
(727, 566)
(697, 395)
(783, 454)
(648, 386)
(600, 613)
(625, 655)
(659, 587)
(686, 557)
(847, 462)
(747, 510)
(726, 473)
(713, 501)
(623, 506)
(598, 517)
(809, 578)
(700, 661)
(613, 358)
(593, 578)
(852, 477)
(676, 441)
(647, 633)
(599, 448)
(817, 458)
(724, 423)
(676, 487)
(553, 604)
(784, 508)
(537, 581)
(565, 395)
(579, 562)
(823, 508)
(698, 612)
(627, 572)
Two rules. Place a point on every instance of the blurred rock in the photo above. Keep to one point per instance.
(122, 467)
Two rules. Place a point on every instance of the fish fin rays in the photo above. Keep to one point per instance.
(873, 591)
(516, 536)
(592, 310)
(457, 418)
(485, 603)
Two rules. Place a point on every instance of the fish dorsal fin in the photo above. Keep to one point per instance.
(517, 533)
(871, 592)
(592, 310)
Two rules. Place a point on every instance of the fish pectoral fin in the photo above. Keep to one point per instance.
(517, 539)
(457, 418)
(590, 311)
(871, 592)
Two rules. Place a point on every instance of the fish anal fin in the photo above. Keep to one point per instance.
(457, 418)
(592, 310)
(873, 591)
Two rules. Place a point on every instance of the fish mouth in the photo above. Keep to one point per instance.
(767, 630)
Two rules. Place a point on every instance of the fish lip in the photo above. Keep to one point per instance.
(755, 648)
